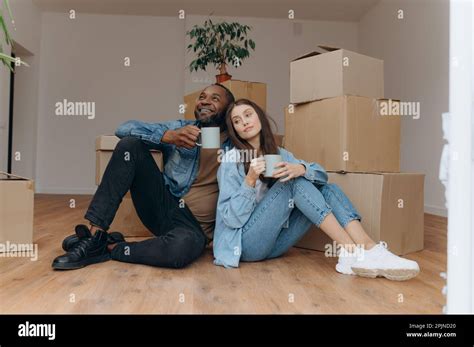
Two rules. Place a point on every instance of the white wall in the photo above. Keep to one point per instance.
(415, 50)
(27, 34)
(83, 60)
(276, 46)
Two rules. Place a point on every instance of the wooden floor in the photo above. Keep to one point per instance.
(302, 281)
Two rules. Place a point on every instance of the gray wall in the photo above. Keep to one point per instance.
(83, 60)
(416, 51)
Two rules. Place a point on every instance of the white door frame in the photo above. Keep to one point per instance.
(460, 285)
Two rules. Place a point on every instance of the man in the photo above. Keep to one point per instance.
(177, 205)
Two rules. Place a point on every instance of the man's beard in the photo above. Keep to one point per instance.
(218, 120)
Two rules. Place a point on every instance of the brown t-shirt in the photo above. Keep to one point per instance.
(202, 196)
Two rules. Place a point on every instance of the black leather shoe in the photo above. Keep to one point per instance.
(82, 231)
(87, 251)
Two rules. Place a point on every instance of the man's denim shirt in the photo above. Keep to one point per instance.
(181, 165)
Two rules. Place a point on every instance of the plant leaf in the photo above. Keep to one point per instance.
(5, 29)
(7, 5)
(7, 58)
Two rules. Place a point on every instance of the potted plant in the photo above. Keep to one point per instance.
(219, 44)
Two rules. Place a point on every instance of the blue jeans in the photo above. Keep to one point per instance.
(302, 203)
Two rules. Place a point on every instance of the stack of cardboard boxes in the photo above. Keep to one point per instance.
(334, 119)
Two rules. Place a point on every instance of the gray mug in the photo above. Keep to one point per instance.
(270, 161)
(210, 137)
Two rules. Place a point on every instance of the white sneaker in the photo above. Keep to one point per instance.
(379, 261)
(346, 260)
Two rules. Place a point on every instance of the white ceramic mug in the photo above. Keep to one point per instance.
(210, 137)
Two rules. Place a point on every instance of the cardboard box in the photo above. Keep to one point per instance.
(254, 91)
(104, 146)
(391, 206)
(346, 133)
(279, 140)
(16, 209)
(330, 72)
(126, 219)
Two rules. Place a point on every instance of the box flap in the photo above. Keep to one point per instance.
(234, 80)
(388, 99)
(329, 48)
(376, 173)
(322, 49)
(9, 175)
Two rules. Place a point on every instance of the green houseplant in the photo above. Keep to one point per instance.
(4, 58)
(219, 44)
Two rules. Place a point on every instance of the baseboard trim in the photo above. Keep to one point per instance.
(436, 210)
(62, 190)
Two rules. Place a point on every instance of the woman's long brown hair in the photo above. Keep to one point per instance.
(267, 140)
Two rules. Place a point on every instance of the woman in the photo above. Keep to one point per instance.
(261, 218)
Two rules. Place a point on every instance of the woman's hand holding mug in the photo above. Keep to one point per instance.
(291, 171)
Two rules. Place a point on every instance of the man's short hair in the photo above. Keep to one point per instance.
(228, 93)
